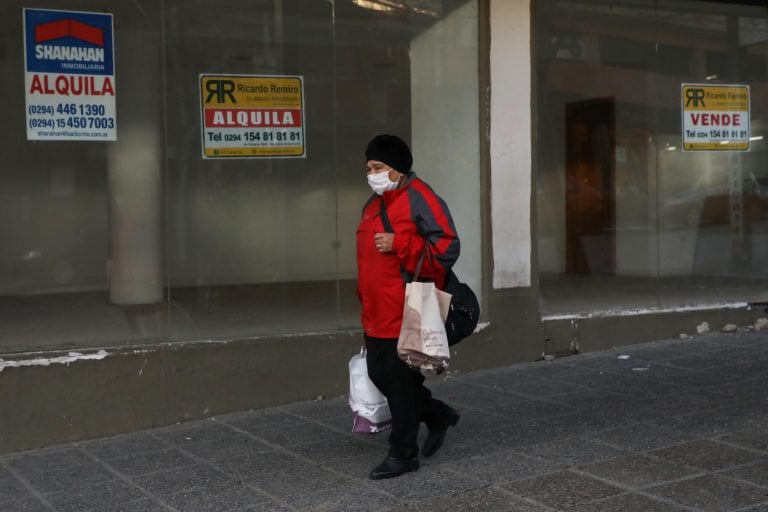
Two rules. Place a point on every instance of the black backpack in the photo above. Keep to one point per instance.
(464, 311)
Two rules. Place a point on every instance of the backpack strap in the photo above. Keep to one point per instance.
(388, 228)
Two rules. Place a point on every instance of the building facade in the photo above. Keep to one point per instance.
(182, 182)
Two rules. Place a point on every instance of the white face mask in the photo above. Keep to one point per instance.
(381, 183)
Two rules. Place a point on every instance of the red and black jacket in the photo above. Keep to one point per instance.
(417, 216)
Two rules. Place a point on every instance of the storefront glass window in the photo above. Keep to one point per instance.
(143, 238)
(628, 217)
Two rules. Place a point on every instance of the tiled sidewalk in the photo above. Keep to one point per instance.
(661, 427)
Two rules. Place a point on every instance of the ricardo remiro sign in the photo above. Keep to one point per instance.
(252, 116)
(715, 117)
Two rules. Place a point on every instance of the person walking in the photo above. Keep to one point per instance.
(385, 257)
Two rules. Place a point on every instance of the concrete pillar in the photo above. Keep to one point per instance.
(511, 142)
(135, 167)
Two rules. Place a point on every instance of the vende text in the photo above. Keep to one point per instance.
(715, 119)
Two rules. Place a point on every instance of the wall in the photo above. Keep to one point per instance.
(511, 142)
(445, 134)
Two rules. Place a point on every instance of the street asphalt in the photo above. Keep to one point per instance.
(674, 425)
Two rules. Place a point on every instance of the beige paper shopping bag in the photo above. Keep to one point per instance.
(423, 342)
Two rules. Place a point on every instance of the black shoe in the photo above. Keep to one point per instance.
(392, 467)
(436, 436)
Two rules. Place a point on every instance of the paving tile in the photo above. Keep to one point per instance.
(756, 439)
(456, 450)
(145, 505)
(749, 392)
(11, 487)
(296, 432)
(504, 466)
(215, 498)
(607, 380)
(561, 369)
(638, 437)
(708, 455)
(711, 493)
(515, 435)
(335, 449)
(484, 499)
(526, 409)
(590, 421)
(498, 377)
(638, 471)
(572, 452)
(118, 446)
(261, 420)
(264, 507)
(688, 402)
(611, 362)
(757, 508)
(5, 475)
(23, 505)
(541, 430)
(600, 400)
(649, 388)
(104, 496)
(13, 495)
(359, 467)
(166, 483)
(352, 502)
(319, 409)
(61, 479)
(476, 420)
(755, 473)
(744, 370)
(689, 377)
(304, 489)
(44, 460)
(229, 444)
(455, 384)
(542, 387)
(339, 423)
(627, 503)
(481, 398)
(432, 482)
(193, 432)
(135, 464)
(710, 423)
(563, 489)
(252, 465)
(697, 361)
(655, 353)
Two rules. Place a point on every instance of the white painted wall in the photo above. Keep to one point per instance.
(510, 142)
(445, 135)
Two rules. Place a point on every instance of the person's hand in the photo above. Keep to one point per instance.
(384, 241)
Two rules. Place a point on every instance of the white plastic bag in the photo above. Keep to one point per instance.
(370, 411)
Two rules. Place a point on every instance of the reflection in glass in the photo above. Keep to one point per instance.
(143, 239)
(626, 219)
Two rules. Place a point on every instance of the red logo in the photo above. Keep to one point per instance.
(69, 28)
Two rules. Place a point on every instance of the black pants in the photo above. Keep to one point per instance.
(409, 401)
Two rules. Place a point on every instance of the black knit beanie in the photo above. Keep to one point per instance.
(391, 150)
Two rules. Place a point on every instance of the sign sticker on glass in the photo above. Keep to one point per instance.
(252, 116)
(715, 117)
(69, 68)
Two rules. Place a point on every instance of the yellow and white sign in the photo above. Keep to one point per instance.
(252, 116)
(715, 117)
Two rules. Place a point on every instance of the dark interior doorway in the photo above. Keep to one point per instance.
(590, 190)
